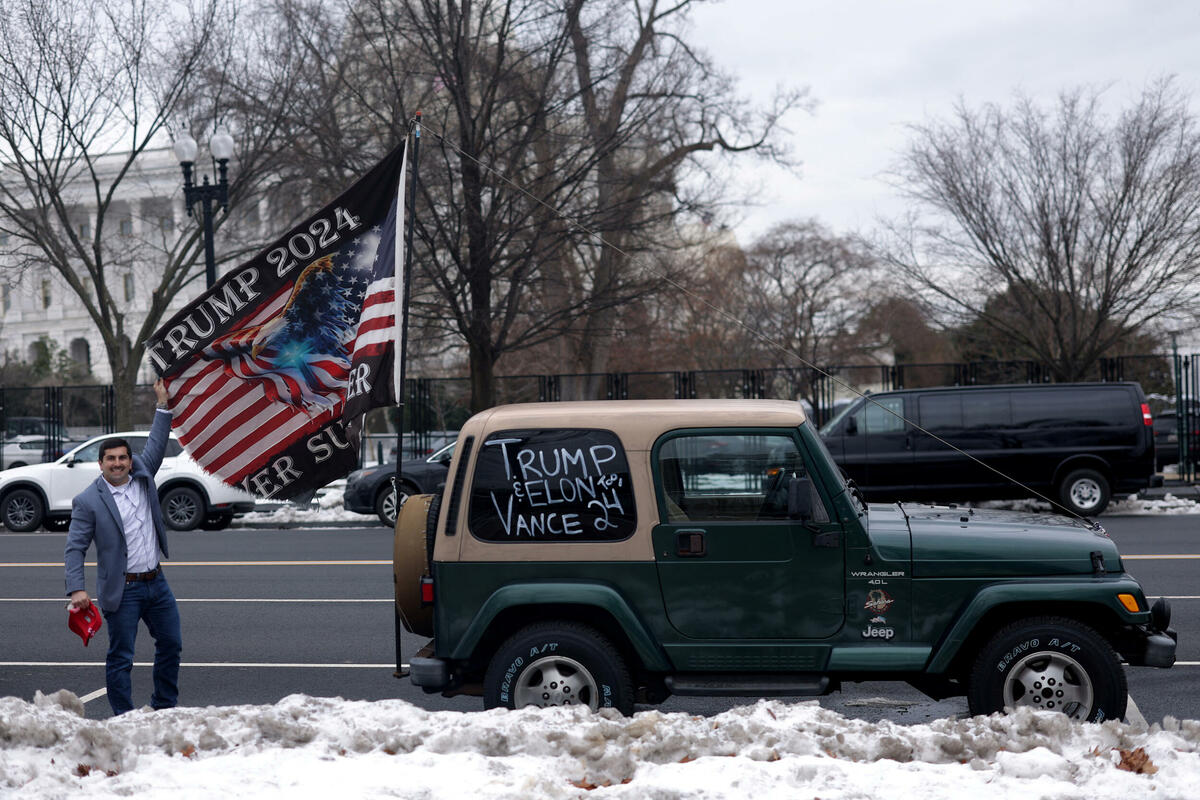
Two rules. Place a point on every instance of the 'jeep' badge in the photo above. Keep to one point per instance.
(878, 601)
(878, 633)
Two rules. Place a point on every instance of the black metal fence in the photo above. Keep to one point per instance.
(435, 407)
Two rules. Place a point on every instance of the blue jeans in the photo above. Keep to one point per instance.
(153, 602)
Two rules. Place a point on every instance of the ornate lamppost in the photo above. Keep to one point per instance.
(209, 196)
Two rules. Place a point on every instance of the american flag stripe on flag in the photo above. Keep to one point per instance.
(273, 395)
(377, 329)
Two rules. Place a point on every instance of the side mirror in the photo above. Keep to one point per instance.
(851, 425)
(71, 462)
(800, 498)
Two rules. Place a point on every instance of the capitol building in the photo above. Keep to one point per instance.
(145, 228)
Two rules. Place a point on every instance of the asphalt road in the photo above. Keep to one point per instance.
(270, 613)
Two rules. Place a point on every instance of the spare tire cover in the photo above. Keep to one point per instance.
(409, 564)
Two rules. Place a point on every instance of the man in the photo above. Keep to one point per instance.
(120, 512)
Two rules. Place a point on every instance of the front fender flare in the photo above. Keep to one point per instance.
(586, 594)
(1101, 593)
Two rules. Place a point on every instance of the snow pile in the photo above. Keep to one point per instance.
(326, 507)
(1168, 504)
(1131, 504)
(317, 747)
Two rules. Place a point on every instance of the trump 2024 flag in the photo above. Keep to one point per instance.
(269, 372)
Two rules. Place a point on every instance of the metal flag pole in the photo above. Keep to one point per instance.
(402, 355)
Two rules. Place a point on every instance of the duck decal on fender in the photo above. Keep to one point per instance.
(878, 602)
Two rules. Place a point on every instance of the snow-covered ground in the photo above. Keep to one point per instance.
(325, 507)
(331, 748)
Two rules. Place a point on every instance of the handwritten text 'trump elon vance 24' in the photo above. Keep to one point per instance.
(559, 491)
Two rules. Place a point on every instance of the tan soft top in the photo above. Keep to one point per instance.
(638, 422)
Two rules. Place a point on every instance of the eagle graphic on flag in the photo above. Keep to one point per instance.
(302, 353)
(270, 371)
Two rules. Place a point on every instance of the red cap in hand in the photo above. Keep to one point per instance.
(85, 621)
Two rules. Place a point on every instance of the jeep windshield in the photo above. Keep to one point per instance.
(838, 475)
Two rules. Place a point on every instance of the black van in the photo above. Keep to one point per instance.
(1073, 442)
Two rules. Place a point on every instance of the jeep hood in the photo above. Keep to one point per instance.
(974, 543)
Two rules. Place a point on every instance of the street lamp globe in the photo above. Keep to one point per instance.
(186, 148)
(221, 144)
(206, 197)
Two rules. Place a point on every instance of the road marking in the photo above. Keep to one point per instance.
(1133, 714)
(347, 563)
(90, 696)
(222, 600)
(204, 664)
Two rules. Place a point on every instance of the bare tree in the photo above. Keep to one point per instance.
(85, 91)
(806, 290)
(796, 298)
(1062, 231)
(651, 106)
(547, 126)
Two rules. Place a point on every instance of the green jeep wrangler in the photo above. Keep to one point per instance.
(607, 553)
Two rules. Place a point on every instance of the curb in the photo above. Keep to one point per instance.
(1183, 492)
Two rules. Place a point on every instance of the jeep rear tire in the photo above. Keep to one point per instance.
(1049, 663)
(558, 664)
(1084, 491)
(22, 511)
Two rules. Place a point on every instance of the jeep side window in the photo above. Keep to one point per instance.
(558, 485)
(726, 477)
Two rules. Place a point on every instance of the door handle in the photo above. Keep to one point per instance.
(690, 544)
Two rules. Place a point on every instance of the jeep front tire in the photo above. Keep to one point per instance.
(558, 664)
(1049, 663)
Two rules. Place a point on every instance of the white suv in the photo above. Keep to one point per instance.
(41, 494)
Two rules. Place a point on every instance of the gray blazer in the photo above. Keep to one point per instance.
(94, 516)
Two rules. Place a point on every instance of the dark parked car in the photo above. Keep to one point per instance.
(370, 491)
(1166, 437)
(1076, 443)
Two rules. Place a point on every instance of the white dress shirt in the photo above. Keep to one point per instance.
(141, 544)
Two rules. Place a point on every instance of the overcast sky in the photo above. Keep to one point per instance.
(874, 67)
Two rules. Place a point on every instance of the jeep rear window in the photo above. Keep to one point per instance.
(559, 485)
